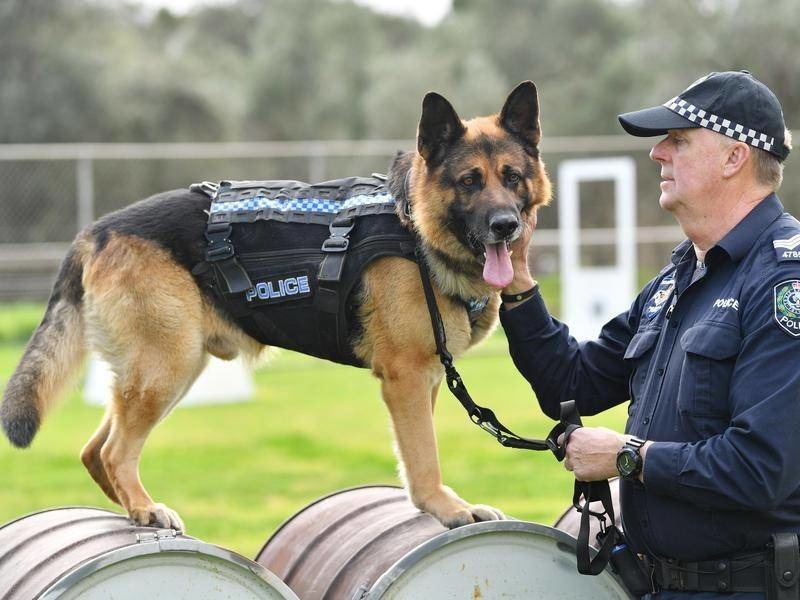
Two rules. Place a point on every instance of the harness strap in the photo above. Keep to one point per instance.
(221, 254)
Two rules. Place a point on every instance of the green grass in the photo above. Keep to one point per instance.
(235, 472)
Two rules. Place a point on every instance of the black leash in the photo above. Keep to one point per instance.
(483, 417)
(590, 491)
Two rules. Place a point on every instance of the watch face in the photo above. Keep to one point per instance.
(626, 462)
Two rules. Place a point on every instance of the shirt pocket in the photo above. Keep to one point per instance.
(638, 355)
(710, 350)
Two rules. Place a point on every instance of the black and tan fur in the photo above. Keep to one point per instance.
(125, 289)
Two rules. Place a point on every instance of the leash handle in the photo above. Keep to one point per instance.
(588, 491)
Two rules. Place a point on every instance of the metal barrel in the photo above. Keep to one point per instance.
(340, 544)
(370, 543)
(570, 519)
(89, 553)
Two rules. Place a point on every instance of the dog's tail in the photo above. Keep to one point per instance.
(54, 353)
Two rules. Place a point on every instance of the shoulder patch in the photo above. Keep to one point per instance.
(787, 249)
(787, 306)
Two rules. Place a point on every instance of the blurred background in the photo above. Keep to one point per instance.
(105, 102)
(318, 89)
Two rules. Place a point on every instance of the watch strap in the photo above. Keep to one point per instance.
(635, 443)
(520, 296)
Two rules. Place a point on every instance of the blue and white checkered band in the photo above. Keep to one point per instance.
(315, 205)
(719, 124)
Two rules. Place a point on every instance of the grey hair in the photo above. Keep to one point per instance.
(768, 168)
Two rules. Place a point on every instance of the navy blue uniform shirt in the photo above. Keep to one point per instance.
(712, 372)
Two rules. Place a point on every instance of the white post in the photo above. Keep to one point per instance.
(84, 178)
(221, 382)
(590, 296)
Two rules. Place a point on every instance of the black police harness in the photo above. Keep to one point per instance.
(286, 257)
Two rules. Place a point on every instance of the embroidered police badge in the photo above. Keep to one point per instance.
(787, 306)
(656, 302)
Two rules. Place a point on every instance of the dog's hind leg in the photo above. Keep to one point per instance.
(90, 456)
(139, 403)
(144, 314)
(409, 392)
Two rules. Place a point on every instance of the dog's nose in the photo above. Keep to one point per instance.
(502, 226)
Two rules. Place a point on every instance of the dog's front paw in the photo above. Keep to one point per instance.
(451, 511)
(157, 515)
(484, 512)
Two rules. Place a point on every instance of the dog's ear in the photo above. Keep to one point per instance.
(439, 128)
(520, 115)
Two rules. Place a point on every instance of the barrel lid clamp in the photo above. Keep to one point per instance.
(157, 535)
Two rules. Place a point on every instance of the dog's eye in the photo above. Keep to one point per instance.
(512, 178)
(468, 181)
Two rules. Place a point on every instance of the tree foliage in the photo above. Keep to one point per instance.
(88, 70)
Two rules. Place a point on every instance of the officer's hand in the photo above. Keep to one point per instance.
(592, 453)
(521, 245)
(519, 258)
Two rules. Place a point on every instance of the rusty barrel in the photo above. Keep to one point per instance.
(570, 519)
(370, 543)
(89, 553)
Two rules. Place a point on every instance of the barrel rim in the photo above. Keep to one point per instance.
(187, 545)
(391, 575)
(54, 508)
(296, 514)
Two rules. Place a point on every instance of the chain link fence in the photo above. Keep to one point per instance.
(51, 191)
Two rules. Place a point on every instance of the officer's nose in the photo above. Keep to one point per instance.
(658, 152)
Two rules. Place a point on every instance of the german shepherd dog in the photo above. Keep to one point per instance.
(125, 289)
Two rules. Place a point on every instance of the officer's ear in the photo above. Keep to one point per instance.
(735, 155)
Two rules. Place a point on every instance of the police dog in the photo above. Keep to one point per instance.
(125, 289)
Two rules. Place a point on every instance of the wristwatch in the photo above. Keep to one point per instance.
(629, 461)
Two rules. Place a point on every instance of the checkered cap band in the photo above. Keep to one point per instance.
(719, 124)
(315, 205)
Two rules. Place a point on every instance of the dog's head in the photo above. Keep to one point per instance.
(476, 184)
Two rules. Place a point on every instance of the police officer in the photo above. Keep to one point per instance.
(708, 355)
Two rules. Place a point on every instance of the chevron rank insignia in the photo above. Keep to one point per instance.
(788, 249)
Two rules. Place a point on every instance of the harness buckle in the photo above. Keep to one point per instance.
(220, 251)
(335, 244)
(338, 242)
(219, 244)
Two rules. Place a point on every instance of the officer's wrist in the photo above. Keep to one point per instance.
(522, 284)
(642, 453)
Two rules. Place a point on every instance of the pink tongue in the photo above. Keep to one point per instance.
(497, 270)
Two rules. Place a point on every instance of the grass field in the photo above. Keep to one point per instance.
(235, 472)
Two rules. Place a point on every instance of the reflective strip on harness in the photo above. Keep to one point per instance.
(320, 205)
